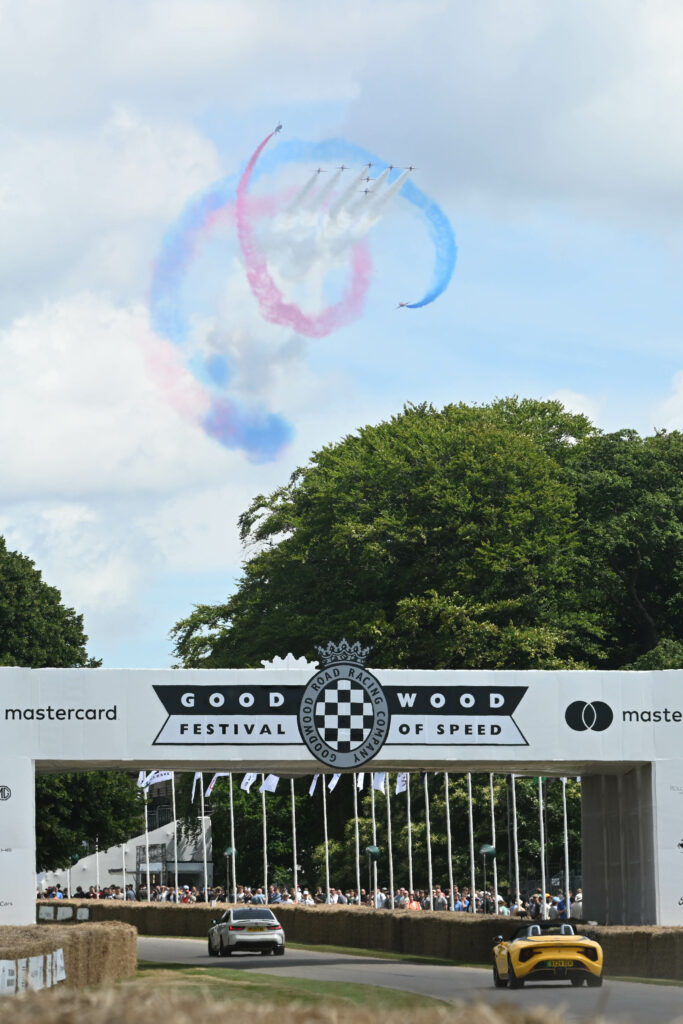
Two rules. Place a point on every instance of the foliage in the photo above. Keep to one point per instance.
(36, 629)
(444, 539)
(75, 811)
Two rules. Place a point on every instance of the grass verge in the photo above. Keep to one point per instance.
(225, 985)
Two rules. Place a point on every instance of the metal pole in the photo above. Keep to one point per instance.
(123, 867)
(428, 827)
(147, 875)
(544, 906)
(374, 842)
(566, 848)
(233, 855)
(327, 848)
(493, 844)
(357, 833)
(295, 875)
(410, 839)
(389, 846)
(206, 872)
(514, 838)
(449, 843)
(265, 840)
(473, 876)
(175, 837)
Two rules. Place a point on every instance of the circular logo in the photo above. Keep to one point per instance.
(5, 792)
(343, 715)
(594, 715)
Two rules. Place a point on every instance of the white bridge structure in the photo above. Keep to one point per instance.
(622, 732)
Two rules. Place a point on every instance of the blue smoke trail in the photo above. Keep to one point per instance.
(261, 435)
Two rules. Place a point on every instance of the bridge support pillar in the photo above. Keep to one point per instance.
(17, 841)
(632, 826)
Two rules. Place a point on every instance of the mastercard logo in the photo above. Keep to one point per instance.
(594, 716)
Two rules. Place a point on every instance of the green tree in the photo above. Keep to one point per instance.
(75, 811)
(443, 539)
(36, 629)
(630, 510)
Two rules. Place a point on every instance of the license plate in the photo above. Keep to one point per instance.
(560, 963)
(256, 929)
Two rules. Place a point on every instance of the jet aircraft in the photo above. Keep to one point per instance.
(402, 305)
(278, 128)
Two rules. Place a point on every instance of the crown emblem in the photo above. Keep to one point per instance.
(343, 653)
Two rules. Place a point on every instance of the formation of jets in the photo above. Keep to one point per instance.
(365, 191)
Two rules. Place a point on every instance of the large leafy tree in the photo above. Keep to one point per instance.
(75, 810)
(443, 539)
(630, 510)
(36, 629)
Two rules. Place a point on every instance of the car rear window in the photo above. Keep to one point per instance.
(256, 914)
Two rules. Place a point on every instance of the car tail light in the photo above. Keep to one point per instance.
(236, 928)
(274, 927)
(526, 954)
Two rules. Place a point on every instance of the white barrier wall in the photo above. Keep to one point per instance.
(345, 717)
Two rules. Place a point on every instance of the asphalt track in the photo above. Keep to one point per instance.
(617, 1001)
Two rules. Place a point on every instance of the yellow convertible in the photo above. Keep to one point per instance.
(546, 951)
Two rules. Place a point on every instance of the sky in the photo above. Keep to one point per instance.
(548, 134)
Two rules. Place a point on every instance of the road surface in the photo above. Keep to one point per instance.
(618, 1001)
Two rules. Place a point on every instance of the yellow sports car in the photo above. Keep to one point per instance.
(546, 951)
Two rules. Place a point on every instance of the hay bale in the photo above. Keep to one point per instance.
(93, 953)
(124, 1004)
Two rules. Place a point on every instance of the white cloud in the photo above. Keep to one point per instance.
(585, 405)
(668, 414)
(92, 403)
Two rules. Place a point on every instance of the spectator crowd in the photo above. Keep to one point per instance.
(534, 905)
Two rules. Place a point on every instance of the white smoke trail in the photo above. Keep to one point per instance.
(317, 231)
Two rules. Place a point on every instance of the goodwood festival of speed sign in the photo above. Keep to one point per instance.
(343, 715)
(344, 712)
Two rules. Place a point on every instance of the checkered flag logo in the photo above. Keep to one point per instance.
(344, 715)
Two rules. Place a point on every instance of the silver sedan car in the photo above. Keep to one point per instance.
(252, 928)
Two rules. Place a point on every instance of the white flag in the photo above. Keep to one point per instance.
(401, 782)
(248, 781)
(360, 780)
(311, 790)
(269, 784)
(155, 777)
(209, 788)
(378, 781)
(333, 781)
(141, 779)
(197, 777)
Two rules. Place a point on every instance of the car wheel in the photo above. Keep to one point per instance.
(280, 951)
(212, 952)
(224, 950)
(497, 980)
(576, 982)
(594, 982)
(513, 980)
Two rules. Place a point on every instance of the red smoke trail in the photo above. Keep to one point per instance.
(271, 301)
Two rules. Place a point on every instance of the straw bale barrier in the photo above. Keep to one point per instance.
(93, 953)
(124, 1005)
(644, 952)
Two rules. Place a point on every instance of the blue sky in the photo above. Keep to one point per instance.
(549, 136)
